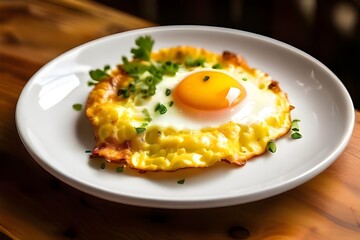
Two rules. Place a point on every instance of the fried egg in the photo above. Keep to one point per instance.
(219, 110)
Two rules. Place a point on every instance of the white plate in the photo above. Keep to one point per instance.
(57, 136)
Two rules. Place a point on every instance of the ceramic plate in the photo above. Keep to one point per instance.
(57, 136)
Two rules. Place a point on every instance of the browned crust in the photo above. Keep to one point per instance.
(236, 60)
(112, 151)
(106, 91)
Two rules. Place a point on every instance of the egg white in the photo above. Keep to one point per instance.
(258, 104)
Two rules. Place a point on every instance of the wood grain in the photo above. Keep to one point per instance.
(35, 205)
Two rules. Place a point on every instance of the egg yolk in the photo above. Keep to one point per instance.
(208, 91)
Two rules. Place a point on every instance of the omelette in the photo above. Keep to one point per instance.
(184, 107)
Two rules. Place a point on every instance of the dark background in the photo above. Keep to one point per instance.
(329, 30)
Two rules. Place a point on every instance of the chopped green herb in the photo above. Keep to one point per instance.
(140, 130)
(144, 125)
(295, 125)
(77, 106)
(161, 108)
(167, 92)
(295, 128)
(296, 135)
(144, 48)
(217, 66)
(147, 115)
(244, 79)
(124, 92)
(198, 62)
(206, 78)
(88, 151)
(149, 80)
(170, 68)
(132, 87)
(182, 181)
(272, 146)
(157, 107)
(151, 90)
(120, 169)
(103, 165)
(156, 71)
(171, 103)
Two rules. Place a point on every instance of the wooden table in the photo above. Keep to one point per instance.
(35, 205)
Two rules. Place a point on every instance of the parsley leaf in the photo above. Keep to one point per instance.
(146, 74)
(143, 51)
(98, 74)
